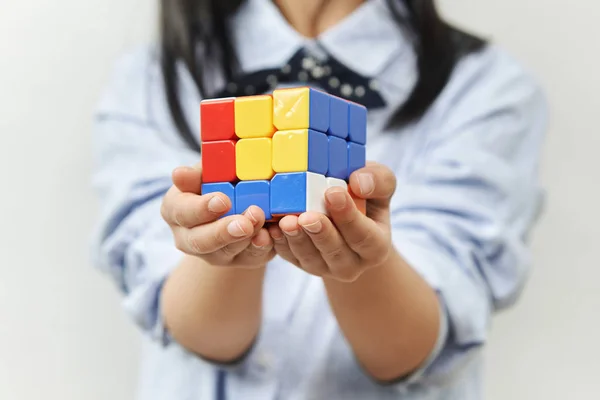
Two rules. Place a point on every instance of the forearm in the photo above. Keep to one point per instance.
(213, 311)
(390, 316)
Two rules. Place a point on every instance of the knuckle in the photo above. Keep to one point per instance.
(334, 254)
(197, 246)
(178, 216)
(256, 256)
(228, 251)
(309, 259)
(321, 239)
(315, 267)
(364, 243)
(219, 238)
(348, 222)
(255, 253)
(258, 251)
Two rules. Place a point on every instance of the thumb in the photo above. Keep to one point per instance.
(188, 179)
(377, 184)
(374, 182)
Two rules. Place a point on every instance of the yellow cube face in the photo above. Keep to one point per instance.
(254, 117)
(291, 108)
(290, 151)
(253, 159)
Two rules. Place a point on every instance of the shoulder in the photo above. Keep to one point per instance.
(133, 77)
(489, 79)
(490, 89)
(135, 89)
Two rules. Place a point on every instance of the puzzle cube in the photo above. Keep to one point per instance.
(282, 152)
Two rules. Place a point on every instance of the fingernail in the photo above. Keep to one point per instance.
(217, 205)
(292, 233)
(337, 199)
(235, 229)
(276, 236)
(259, 247)
(251, 216)
(315, 227)
(366, 183)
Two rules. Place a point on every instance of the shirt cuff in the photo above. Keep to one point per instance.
(465, 309)
(150, 261)
(418, 374)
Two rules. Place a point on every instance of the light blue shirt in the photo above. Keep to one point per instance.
(467, 197)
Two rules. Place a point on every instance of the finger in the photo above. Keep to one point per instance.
(259, 251)
(374, 182)
(189, 210)
(210, 238)
(281, 246)
(328, 241)
(361, 234)
(188, 179)
(257, 217)
(302, 247)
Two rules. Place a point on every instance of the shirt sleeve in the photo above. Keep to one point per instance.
(464, 208)
(134, 157)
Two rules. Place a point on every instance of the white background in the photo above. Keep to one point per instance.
(62, 332)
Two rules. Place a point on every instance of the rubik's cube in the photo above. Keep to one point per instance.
(281, 152)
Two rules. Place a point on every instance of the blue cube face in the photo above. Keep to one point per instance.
(338, 158)
(253, 193)
(319, 111)
(339, 118)
(357, 157)
(223, 187)
(357, 128)
(318, 152)
(288, 193)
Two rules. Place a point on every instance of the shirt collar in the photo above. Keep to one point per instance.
(264, 39)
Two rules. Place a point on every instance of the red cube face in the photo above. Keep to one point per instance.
(217, 119)
(218, 161)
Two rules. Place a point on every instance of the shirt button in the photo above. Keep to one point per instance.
(272, 81)
(334, 82)
(318, 72)
(286, 69)
(302, 76)
(308, 63)
(232, 87)
(346, 90)
(360, 91)
(374, 85)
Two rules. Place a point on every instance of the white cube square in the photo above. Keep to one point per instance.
(316, 186)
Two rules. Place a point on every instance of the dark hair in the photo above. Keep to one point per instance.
(186, 24)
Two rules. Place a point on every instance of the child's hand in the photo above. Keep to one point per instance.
(349, 243)
(238, 240)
